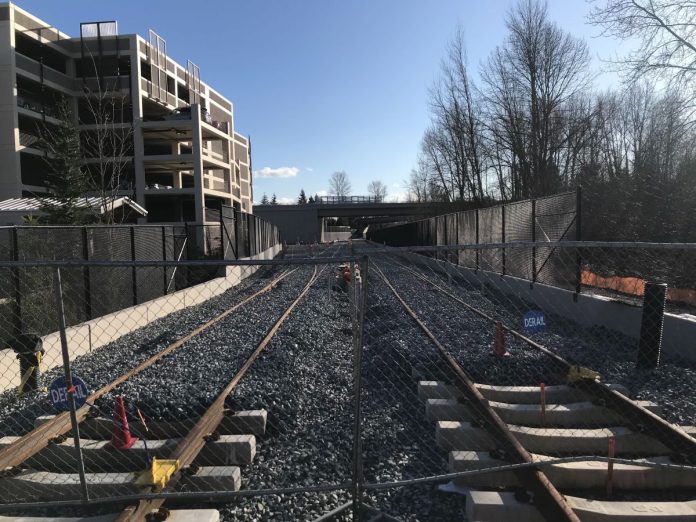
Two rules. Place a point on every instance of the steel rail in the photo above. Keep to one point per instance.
(637, 417)
(37, 439)
(189, 447)
(547, 498)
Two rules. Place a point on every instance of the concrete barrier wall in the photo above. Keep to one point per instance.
(679, 332)
(335, 236)
(93, 334)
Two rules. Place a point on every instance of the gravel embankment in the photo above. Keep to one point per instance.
(610, 353)
(104, 364)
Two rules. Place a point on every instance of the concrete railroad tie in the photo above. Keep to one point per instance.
(100, 457)
(459, 435)
(576, 414)
(557, 394)
(177, 515)
(574, 475)
(46, 485)
(252, 422)
(493, 506)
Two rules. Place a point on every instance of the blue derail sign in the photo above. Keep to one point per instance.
(58, 393)
(534, 321)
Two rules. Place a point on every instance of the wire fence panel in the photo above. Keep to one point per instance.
(518, 227)
(112, 288)
(555, 220)
(98, 291)
(491, 231)
(362, 379)
(149, 246)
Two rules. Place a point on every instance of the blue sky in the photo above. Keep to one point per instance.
(322, 85)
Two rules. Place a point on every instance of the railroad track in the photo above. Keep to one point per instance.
(483, 426)
(215, 435)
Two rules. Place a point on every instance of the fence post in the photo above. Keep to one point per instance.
(503, 230)
(222, 236)
(164, 258)
(248, 235)
(357, 485)
(58, 292)
(85, 274)
(236, 233)
(456, 236)
(578, 237)
(16, 286)
(477, 239)
(534, 272)
(134, 270)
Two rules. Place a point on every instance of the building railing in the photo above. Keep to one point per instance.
(334, 200)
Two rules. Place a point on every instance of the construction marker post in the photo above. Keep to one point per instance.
(542, 388)
(611, 450)
(58, 290)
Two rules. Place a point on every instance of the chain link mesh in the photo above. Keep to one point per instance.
(572, 376)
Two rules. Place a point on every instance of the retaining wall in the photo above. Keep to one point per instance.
(93, 334)
(679, 332)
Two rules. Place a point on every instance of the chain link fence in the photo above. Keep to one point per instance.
(94, 291)
(595, 387)
(541, 220)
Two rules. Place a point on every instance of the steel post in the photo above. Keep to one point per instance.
(58, 292)
(357, 480)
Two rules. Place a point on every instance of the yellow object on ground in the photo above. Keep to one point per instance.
(159, 474)
(578, 373)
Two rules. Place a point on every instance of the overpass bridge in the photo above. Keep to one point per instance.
(304, 222)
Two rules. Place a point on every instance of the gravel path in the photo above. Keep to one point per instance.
(610, 353)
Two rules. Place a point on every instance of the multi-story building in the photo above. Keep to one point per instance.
(150, 128)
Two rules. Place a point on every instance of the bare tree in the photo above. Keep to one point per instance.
(666, 30)
(105, 113)
(339, 185)
(529, 80)
(377, 189)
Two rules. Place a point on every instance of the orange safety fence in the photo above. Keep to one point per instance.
(635, 286)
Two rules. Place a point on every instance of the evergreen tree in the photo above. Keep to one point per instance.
(310, 200)
(316, 198)
(264, 199)
(68, 180)
(302, 200)
(274, 200)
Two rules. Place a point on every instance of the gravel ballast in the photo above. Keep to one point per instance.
(104, 364)
(608, 352)
(304, 379)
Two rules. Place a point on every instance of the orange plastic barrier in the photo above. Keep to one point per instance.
(635, 286)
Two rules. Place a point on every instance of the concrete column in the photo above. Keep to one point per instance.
(11, 175)
(138, 145)
(197, 156)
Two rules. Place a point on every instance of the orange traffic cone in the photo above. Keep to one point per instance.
(121, 439)
(499, 341)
